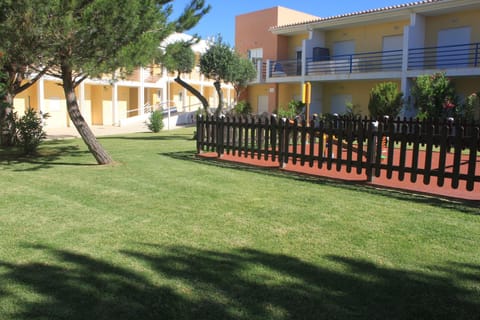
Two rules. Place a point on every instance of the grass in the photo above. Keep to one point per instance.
(163, 234)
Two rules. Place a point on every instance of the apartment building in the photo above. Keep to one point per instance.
(345, 56)
(115, 103)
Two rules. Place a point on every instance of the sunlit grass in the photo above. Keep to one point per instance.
(163, 234)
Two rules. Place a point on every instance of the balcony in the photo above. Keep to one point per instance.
(465, 56)
(445, 57)
(341, 64)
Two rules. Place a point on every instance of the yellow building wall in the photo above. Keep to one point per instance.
(254, 92)
(55, 105)
(359, 90)
(449, 21)
(368, 38)
(107, 110)
(96, 98)
(26, 98)
(287, 93)
(132, 101)
(123, 94)
(86, 104)
(466, 86)
(294, 44)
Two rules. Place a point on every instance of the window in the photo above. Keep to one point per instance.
(453, 48)
(255, 55)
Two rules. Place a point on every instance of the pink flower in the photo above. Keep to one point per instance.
(448, 104)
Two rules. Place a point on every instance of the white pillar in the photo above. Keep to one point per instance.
(185, 97)
(141, 92)
(41, 95)
(81, 93)
(115, 119)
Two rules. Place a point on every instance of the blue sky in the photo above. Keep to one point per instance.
(221, 19)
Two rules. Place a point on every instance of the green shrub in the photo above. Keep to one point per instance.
(353, 110)
(243, 108)
(29, 131)
(385, 100)
(155, 121)
(470, 108)
(434, 96)
(294, 108)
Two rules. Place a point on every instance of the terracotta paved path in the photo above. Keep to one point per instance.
(446, 191)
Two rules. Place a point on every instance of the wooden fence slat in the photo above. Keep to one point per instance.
(331, 141)
(429, 149)
(472, 157)
(442, 155)
(457, 155)
(415, 151)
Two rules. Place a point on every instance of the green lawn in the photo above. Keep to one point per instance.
(164, 235)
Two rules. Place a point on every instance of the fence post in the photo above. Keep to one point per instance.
(199, 133)
(371, 148)
(283, 141)
(220, 135)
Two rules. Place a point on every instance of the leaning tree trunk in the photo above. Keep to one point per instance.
(81, 125)
(7, 122)
(218, 87)
(194, 91)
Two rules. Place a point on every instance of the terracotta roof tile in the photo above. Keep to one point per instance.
(357, 13)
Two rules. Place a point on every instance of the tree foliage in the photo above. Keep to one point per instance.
(385, 100)
(218, 64)
(434, 96)
(90, 38)
(22, 60)
(178, 57)
(243, 71)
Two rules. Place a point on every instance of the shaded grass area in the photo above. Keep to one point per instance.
(163, 234)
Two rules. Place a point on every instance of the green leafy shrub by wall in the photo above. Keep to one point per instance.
(434, 96)
(155, 121)
(30, 131)
(242, 108)
(385, 100)
(294, 108)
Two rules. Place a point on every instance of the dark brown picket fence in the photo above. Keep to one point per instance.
(442, 149)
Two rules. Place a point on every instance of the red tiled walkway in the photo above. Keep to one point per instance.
(432, 188)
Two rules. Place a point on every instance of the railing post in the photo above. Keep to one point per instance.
(475, 63)
(267, 70)
(351, 63)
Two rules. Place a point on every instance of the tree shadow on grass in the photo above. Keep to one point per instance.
(465, 206)
(150, 137)
(44, 159)
(190, 283)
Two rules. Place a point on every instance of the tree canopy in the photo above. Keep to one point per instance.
(218, 64)
(90, 38)
(22, 59)
(179, 57)
(243, 71)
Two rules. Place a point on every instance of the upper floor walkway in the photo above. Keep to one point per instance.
(455, 60)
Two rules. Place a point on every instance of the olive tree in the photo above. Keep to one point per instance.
(218, 64)
(179, 57)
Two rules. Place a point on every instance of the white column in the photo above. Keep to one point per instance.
(141, 92)
(41, 95)
(185, 97)
(81, 93)
(115, 119)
